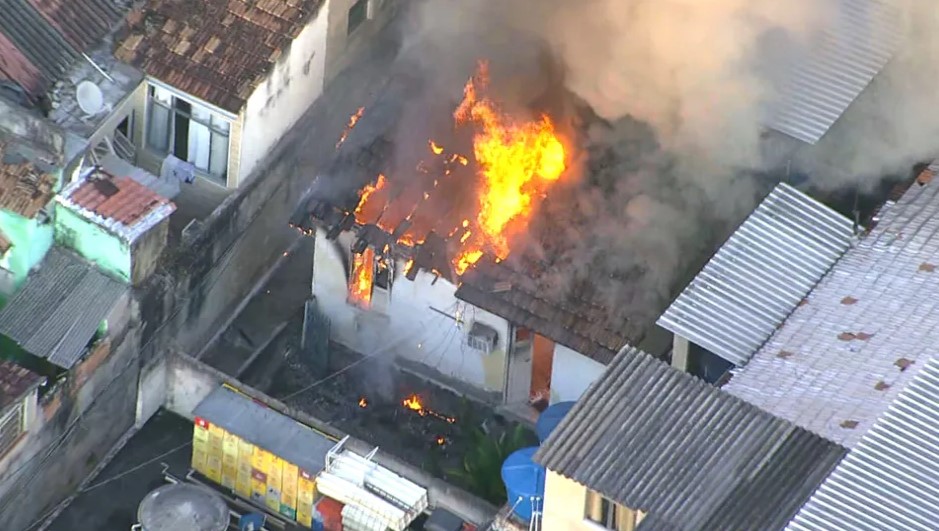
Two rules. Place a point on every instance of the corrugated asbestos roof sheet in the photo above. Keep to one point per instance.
(47, 50)
(691, 456)
(760, 275)
(265, 427)
(862, 38)
(891, 475)
(58, 311)
(50, 35)
(864, 331)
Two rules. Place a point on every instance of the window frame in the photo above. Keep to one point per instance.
(604, 512)
(173, 111)
(358, 4)
(18, 410)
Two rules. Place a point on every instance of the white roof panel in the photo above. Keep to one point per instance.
(864, 332)
(890, 476)
(759, 275)
(860, 41)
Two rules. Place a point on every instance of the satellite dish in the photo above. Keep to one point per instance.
(89, 96)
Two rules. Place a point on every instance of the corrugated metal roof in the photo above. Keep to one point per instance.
(58, 311)
(760, 275)
(266, 428)
(691, 456)
(36, 39)
(864, 332)
(891, 475)
(51, 35)
(862, 38)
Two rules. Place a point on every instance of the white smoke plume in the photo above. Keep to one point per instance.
(683, 88)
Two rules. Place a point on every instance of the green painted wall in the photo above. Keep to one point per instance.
(31, 241)
(96, 244)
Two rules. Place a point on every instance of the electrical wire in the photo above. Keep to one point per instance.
(134, 469)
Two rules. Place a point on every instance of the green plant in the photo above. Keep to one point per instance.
(482, 465)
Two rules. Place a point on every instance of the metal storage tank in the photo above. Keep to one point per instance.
(550, 418)
(182, 506)
(524, 482)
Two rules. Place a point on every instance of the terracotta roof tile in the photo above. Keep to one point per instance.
(131, 202)
(216, 50)
(15, 380)
(24, 188)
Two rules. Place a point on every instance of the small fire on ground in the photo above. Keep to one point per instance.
(363, 402)
(513, 165)
(414, 403)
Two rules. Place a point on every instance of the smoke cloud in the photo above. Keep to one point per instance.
(678, 93)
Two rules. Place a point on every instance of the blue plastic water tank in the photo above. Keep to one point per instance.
(550, 418)
(524, 480)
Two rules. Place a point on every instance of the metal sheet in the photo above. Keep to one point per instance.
(759, 275)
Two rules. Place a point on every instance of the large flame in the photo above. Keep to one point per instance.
(360, 284)
(518, 161)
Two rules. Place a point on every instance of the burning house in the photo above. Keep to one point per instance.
(437, 268)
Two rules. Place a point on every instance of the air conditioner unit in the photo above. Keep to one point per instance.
(482, 337)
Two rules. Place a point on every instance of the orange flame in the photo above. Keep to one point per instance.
(363, 402)
(354, 119)
(518, 162)
(413, 403)
(363, 271)
(360, 214)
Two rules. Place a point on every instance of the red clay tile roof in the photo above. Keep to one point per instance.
(216, 50)
(129, 201)
(15, 381)
(24, 188)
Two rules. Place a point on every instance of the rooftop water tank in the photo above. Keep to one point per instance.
(524, 482)
(183, 506)
(550, 418)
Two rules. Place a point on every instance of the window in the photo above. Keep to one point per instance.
(11, 427)
(357, 15)
(188, 131)
(608, 514)
(382, 275)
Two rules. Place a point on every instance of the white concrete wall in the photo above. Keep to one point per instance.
(295, 83)
(151, 390)
(571, 374)
(414, 326)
